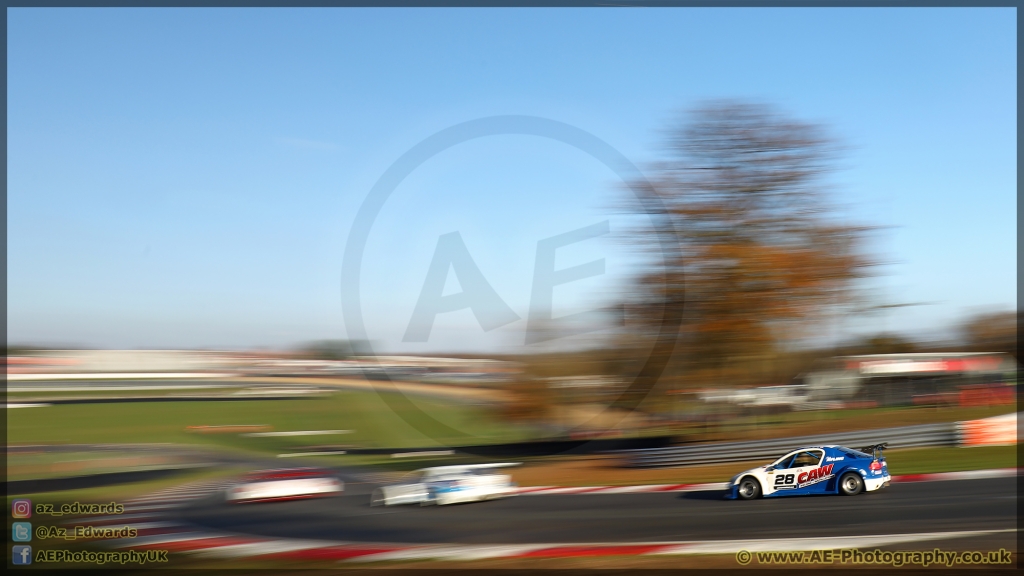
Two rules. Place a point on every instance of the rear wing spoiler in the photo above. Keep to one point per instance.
(875, 449)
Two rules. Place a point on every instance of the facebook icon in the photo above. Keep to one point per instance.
(21, 555)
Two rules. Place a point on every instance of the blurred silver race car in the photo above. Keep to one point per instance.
(447, 485)
(286, 484)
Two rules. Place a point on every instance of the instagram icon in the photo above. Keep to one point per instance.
(21, 509)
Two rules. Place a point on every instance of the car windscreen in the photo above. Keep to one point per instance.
(784, 461)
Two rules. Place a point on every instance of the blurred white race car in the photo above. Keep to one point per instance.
(447, 485)
(286, 484)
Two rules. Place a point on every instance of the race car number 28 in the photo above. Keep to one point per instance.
(784, 479)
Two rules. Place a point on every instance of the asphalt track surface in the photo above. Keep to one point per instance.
(902, 508)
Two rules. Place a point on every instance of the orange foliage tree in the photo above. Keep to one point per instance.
(765, 253)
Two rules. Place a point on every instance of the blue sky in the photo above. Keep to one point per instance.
(186, 178)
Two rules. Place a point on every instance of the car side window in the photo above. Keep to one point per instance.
(807, 458)
(785, 463)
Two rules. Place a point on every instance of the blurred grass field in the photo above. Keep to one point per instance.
(395, 421)
(373, 422)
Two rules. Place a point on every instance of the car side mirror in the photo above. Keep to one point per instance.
(770, 469)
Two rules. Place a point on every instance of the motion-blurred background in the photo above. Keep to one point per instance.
(822, 243)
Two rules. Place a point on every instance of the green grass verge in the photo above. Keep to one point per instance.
(949, 459)
(375, 421)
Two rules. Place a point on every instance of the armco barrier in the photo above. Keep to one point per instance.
(529, 449)
(698, 454)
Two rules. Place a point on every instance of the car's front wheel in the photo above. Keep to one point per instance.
(851, 484)
(748, 489)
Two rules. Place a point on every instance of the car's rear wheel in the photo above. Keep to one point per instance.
(851, 484)
(748, 489)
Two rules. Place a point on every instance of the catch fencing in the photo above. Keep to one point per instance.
(945, 434)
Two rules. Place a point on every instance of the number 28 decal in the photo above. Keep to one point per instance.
(784, 479)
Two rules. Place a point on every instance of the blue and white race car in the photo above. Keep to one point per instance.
(828, 469)
(443, 485)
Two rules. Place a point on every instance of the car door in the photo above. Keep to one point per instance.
(808, 472)
(781, 478)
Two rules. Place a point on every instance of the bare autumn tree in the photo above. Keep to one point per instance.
(992, 332)
(764, 253)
